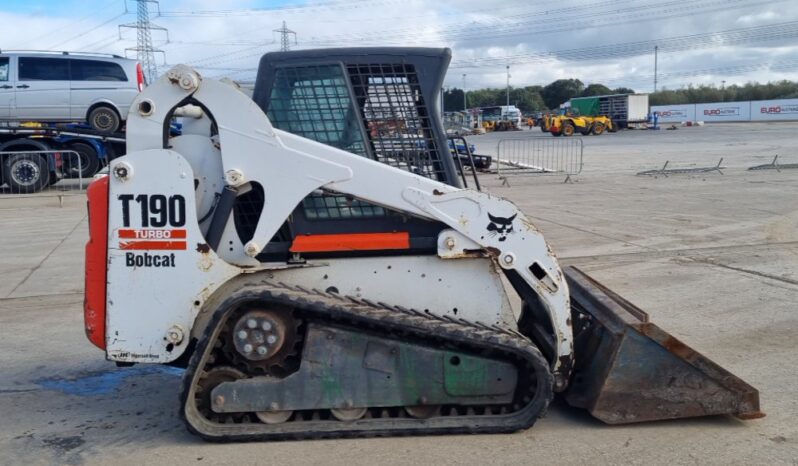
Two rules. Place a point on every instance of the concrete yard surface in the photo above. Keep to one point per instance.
(713, 258)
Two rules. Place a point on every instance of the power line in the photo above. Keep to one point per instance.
(381, 39)
(673, 8)
(70, 24)
(109, 39)
(734, 70)
(552, 24)
(97, 46)
(108, 21)
(630, 49)
(225, 57)
(282, 10)
(456, 30)
(596, 15)
(621, 50)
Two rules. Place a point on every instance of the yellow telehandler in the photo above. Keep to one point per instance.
(567, 124)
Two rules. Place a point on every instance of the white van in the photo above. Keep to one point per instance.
(66, 86)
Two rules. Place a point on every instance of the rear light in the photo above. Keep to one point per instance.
(140, 76)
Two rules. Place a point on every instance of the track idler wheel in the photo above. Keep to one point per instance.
(210, 380)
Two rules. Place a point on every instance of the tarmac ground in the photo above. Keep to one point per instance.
(712, 257)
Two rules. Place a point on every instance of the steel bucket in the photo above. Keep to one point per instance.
(629, 370)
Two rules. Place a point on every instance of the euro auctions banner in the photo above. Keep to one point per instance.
(674, 113)
(774, 110)
(723, 111)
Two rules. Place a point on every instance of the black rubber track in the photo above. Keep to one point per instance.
(436, 331)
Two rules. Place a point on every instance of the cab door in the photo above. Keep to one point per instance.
(6, 87)
(42, 88)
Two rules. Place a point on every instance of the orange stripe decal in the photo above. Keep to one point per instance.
(152, 234)
(152, 245)
(351, 242)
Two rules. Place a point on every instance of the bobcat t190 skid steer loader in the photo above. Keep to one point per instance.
(320, 272)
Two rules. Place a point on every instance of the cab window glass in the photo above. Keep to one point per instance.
(4, 69)
(43, 69)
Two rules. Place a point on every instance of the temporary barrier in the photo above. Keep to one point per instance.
(665, 170)
(774, 165)
(32, 171)
(539, 156)
(756, 110)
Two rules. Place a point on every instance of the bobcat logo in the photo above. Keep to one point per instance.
(500, 226)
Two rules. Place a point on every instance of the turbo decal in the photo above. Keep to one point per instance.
(145, 239)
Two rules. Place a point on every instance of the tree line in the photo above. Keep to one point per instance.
(532, 99)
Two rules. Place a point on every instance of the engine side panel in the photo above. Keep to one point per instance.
(470, 289)
(160, 270)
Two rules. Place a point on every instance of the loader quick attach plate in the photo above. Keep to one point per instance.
(629, 370)
(366, 369)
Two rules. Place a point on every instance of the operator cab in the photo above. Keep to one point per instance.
(381, 104)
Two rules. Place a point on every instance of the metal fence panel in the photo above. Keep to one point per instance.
(33, 171)
(539, 156)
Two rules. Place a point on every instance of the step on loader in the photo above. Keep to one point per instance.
(310, 258)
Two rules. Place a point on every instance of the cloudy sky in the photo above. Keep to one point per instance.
(606, 41)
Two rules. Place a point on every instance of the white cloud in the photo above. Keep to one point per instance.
(758, 18)
(232, 44)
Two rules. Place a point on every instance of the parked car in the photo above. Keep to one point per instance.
(66, 86)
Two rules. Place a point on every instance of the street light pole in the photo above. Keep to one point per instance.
(465, 103)
(508, 85)
(656, 48)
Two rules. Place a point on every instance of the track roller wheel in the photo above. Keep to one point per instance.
(348, 414)
(422, 411)
(274, 417)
